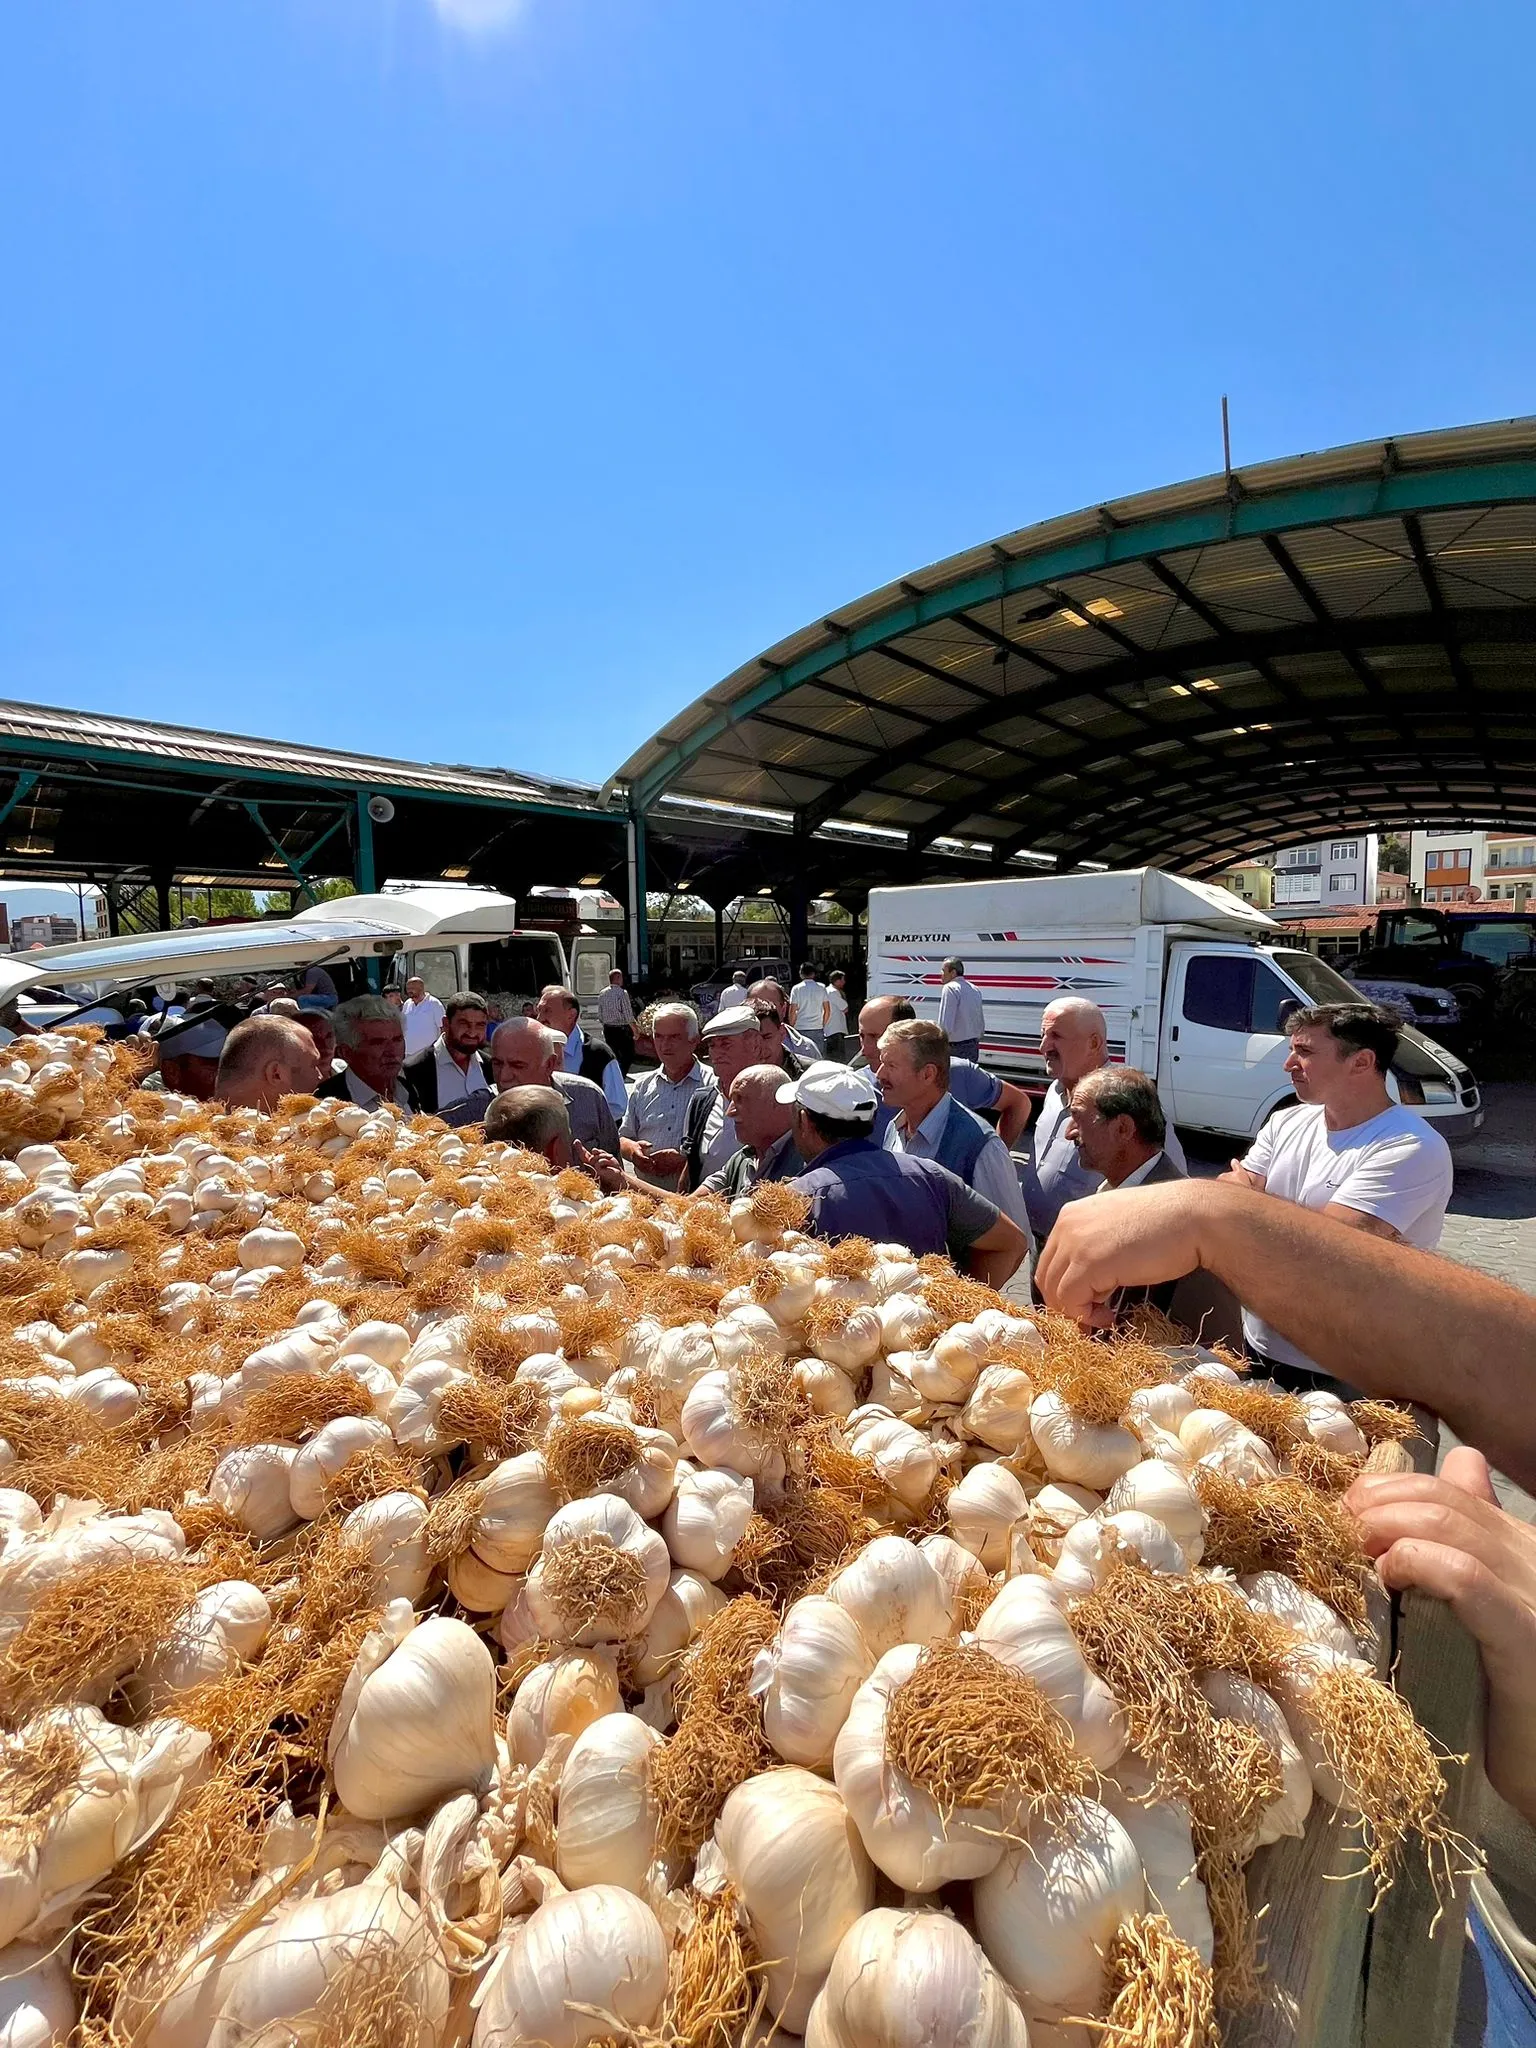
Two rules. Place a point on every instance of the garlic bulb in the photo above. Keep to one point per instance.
(1234, 1698)
(1160, 1828)
(561, 1697)
(909, 1979)
(895, 1595)
(265, 1247)
(829, 1391)
(1330, 1424)
(748, 1331)
(958, 1355)
(906, 1322)
(127, 1786)
(389, 1527)
(608, 1817)
(807, 1677)
(387, 1344)
(1052, 1512)
(76, 1536)
(224, 1626)
(1087, 1453)
(416, 1718)
(586, 1964)
(688, 1603)
(516, 1503)
(325, 1457)
(845, 1334)
(964, 1577)
(904, 1457)
(270, 1985)
(599, 1574)
(1274, 1593)
(718, 1433)
(1165, 1406)
(1049, 1910)
(786, 1839)
(1214, 1438)
(901, 1826)
(1025, 1629)
(252, 1485)
(679, 1358)
(1162, 1491)
(706, 1518)
(1294, 1683)
(795, 1279)
(412, 1414)
(37, 2000)
(999, 1408)
(1089, 1546)
(983, 1510)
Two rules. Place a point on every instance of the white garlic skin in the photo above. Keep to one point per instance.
(786, 1840)
(912, 1979)
(1048, 1912)
(807, 1678)
(599, 1947)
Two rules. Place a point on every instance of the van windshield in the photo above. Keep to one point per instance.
(512, 971)
(1317, 979)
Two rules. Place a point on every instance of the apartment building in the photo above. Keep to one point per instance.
(1330, 874)
(42, 930)
(1509, 868)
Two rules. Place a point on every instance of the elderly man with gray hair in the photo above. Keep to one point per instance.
(1074, 1042)
(651, 1135)
(534, 1118)
(371, 1040)
(527, 1054)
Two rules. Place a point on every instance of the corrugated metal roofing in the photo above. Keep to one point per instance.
(176, 743)
(1338, 639)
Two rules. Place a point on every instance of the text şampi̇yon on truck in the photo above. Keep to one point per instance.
(1195, 986)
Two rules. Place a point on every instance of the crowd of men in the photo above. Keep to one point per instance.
(904, 1136)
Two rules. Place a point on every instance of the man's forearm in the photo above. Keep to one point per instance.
(1399, 1323)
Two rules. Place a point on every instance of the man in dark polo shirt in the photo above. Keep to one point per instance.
(859, 1190)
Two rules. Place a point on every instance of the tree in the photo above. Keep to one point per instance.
(1392, 854)
(329, 892)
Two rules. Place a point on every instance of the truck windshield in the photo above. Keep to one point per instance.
(1316, 978)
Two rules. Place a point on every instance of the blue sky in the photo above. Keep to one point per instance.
(483, 380)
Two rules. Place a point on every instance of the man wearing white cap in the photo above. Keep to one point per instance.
(858, 1189)
(189, 1047)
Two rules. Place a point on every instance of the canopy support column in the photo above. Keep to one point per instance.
(639, 925)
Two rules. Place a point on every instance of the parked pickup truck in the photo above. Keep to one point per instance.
(1195, 985)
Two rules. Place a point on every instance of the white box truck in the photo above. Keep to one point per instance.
(1194, 983)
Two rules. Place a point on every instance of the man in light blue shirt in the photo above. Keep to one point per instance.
(961, 1012)
(559, 1010)
(913, 1075)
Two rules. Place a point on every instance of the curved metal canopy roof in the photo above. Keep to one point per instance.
(1337, 641)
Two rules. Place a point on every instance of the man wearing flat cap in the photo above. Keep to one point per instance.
(730, 1042)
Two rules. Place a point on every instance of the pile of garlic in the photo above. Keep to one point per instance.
(386, 1508)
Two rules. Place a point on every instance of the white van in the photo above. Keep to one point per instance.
(1192, 982)
(452, 938)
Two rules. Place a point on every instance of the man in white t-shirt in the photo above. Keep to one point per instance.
(808, 1008)
(1347, 1149)
(422, 1015)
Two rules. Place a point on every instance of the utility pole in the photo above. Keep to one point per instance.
(1226, 440)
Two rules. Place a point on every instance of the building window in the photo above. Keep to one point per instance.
(1431, 860)
(1341, 885)
(1344, 849)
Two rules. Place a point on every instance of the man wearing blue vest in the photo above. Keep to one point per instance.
(913, 1076)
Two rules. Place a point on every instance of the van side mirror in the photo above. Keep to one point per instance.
(1285, 1010)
